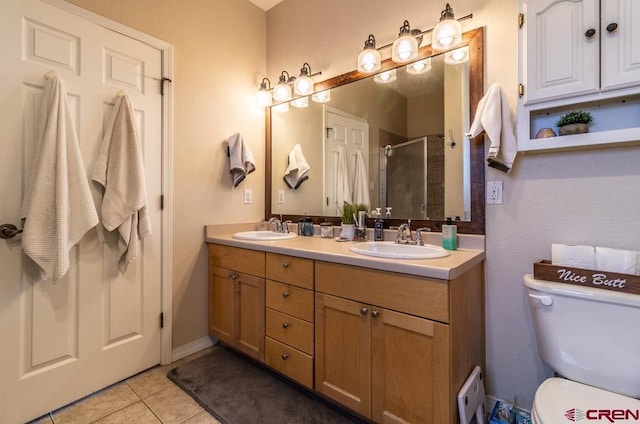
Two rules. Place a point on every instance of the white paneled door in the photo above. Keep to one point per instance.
(59, 342)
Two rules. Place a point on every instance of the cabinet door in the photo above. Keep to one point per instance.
(221, 303)
(559, 59)
(620, 40)
(410, 369)
(343, 352)
(250, 315)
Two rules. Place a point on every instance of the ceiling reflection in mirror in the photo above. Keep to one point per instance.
(398, 146)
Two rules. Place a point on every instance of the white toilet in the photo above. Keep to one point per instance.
(591, 337)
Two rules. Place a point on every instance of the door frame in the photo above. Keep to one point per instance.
(167, 159)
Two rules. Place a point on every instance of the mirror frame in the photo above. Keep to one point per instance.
(475, 40)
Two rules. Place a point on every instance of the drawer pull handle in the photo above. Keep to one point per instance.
(375, 314)
(284, 356)
(285, 325)
(285, 294)
(364, 311)
(285, 265)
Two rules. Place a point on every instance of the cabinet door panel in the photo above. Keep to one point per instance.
(620, 47)
(250, 305)
(561, 60)
(343, 352)
(410, 369)
(221, 304)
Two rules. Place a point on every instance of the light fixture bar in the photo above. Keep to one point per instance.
(463, 18)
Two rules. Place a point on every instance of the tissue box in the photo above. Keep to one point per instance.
(502, 413)
(627, 283)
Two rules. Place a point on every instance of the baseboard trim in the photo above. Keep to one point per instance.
(191, 347)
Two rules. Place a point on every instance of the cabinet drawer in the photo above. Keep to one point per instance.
(242, 260)
(290, 330)
(421, 296)
(289, 269)
(290, 362)
(290, 299)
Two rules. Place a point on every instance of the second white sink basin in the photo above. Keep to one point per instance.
(389, 249)
(264, 235)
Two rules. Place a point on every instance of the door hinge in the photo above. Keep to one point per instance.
(520, 20)
(521, 90)
(162, 202)
(161, 319)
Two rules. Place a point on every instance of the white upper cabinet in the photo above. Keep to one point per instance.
(560, 48)
(620, 40)
(579, 55)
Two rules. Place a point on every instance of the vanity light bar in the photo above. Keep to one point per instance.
(282, 92)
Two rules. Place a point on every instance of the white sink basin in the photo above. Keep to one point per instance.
(265, 235)
(389, 249)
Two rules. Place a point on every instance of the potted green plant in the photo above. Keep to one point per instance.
(348, 225)
(575, 122)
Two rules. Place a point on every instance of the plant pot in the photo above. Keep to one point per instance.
(574, 129)
(348, 231)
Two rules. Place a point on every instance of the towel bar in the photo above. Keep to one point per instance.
(8, 231)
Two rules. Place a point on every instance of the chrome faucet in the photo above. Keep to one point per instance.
(418, 241)
(403, 236)
(280, 227)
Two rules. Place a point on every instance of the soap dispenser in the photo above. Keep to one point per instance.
(449, 235)
(378, 226)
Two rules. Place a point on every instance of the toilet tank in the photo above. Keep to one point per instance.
(588, 335)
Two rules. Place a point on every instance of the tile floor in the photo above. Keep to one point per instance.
(146, 398)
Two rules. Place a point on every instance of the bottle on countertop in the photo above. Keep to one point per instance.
(378, 226)
(449, 235)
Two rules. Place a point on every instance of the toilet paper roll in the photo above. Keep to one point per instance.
(573, 255)
(617, 260)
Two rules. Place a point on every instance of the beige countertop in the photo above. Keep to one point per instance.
(326, 249)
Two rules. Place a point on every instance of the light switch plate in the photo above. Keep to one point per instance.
(280, 196)
(248, 196)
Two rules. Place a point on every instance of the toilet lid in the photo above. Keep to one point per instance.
(558, 400)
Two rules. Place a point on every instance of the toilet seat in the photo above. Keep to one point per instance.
(559, 400)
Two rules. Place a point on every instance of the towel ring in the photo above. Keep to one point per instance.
(8, 231)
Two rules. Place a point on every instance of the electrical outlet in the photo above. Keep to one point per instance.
(494, 192)
(247, 196)
(280, 196)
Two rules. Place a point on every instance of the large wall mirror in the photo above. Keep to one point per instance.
(398, 145)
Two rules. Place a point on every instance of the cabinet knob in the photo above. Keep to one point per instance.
(612, 27)
(285, 265)
(232, 275)
(590, 33)
(364, 311)
(285, 294)
(284, 356)
(375, 314)
(285, 325)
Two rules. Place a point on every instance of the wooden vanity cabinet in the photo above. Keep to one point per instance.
(289, 317)
(391, 347)
(237, 298)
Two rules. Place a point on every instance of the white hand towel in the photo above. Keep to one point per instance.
(361, 182)
(241, 161)
(120, 171)
(57, 204)
(494, 117)
(298, 169)
(342, 189)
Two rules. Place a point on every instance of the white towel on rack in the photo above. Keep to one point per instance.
(298, 169)
(342, 190)
(57, 205)
(241, 161)
(361, 181)
(494, 117)
(120, 171)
